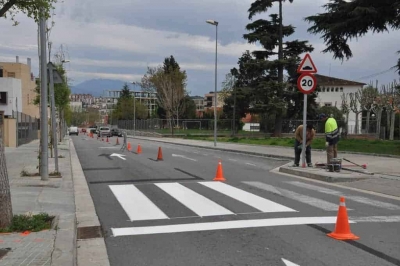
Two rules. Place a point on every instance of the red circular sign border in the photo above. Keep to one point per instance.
(314, 80)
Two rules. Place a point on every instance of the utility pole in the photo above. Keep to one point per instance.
(44, 157)
(53, 117)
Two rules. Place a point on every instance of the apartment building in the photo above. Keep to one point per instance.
(16, 75)
(148, 99)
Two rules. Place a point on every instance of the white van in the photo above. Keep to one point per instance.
(73, 130)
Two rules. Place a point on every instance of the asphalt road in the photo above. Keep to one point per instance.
(170, 212)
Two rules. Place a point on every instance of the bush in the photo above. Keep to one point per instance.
(26, 222)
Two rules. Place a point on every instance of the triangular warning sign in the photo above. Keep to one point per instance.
(307, 65)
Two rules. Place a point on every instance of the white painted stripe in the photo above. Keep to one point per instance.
(251, 164)
(184, 157)
(377, 219)
(197, 227)
(194, 201)
(233, 160)
(137, 206)
(289, 263)
(255, 201)
(363, 200)
(318, 203)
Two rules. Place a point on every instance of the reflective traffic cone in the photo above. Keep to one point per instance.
(117, 142)
(139, 149)
(342, 227)
(159, 156)
(129, 146)
(219, 175)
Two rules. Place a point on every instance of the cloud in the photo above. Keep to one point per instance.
(118, 39)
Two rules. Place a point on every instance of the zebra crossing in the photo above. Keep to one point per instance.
(139, 207)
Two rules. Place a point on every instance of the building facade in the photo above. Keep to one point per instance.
(10, 96)
(22, 72)
(330, 94)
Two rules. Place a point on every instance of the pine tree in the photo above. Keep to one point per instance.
(270, 91)
(344, 21)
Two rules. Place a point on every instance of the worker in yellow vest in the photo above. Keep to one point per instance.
(332, 136)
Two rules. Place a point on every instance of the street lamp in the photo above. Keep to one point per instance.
(215, 23)
(134, 109)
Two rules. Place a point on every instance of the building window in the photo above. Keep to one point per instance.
(337, 89)
(341, 89)
(328, 104)
(11, 74)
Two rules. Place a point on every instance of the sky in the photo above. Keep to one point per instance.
(118, 39)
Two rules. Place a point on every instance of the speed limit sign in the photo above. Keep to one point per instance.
(306, 83)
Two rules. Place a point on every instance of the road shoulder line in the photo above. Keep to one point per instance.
(90, 251)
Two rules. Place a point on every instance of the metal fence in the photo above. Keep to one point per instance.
(226, 126)
(26, 129)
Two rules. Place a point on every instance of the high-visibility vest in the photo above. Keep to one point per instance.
(331, 129)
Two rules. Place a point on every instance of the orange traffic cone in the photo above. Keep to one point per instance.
(129, 146)
(342, 227)
(139, 149)
(117, 143)
(220, 175)
(159, 156)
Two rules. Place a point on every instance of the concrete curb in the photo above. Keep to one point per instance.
(64, 253)
(90, 251)
(219, 149)
(326, 178)
(342, 152)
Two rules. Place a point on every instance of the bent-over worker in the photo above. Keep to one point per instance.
(332, 137)
(298, 145)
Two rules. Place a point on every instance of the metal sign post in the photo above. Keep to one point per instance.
(306, 83)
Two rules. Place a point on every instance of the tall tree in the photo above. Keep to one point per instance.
(169, 83)
(271, 91)
(347, 20)
(8, 9)
(125, 107)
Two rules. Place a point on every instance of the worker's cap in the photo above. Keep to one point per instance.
(322, 116)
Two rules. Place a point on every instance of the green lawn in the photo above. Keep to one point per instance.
(353, 145)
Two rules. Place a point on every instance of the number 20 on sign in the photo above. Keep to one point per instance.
(306, 83)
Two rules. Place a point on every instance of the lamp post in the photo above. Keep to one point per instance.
(134, 110)
(215, 23)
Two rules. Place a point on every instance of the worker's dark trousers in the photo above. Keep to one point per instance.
(297, 153)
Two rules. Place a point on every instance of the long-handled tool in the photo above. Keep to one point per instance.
(364, 166)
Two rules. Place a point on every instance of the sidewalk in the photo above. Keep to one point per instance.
(31, 195)
(386, 178)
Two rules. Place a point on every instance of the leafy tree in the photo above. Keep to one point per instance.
(10, 8)
(347, 20)
(169, 82)
(125, 92)
(125, 107)
(189, 107)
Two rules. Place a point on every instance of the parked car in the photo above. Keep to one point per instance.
(105, 132)
(116, 132)
(73, 131)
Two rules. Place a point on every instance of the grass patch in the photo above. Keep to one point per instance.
(352, 145)
(26, 173)
(28, 222)
(55, 174)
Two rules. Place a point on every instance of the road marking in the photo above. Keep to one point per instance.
(184, 157)
(137, 206)
(199, 204)
(233, 160)
(255, 201)
(318, 203)
(363, 200)
(377, 219)
(251, 164)
(197, 227)
(289, 263)
(121, 156)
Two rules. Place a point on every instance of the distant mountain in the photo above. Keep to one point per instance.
(97, 86)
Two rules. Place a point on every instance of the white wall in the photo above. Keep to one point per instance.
(14, 95)
(335, 99)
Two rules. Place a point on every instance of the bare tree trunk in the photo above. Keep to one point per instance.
(356, 130)
(367, 123)
(5, 195)
(391, 137)
(387, 123)
(378, 123)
